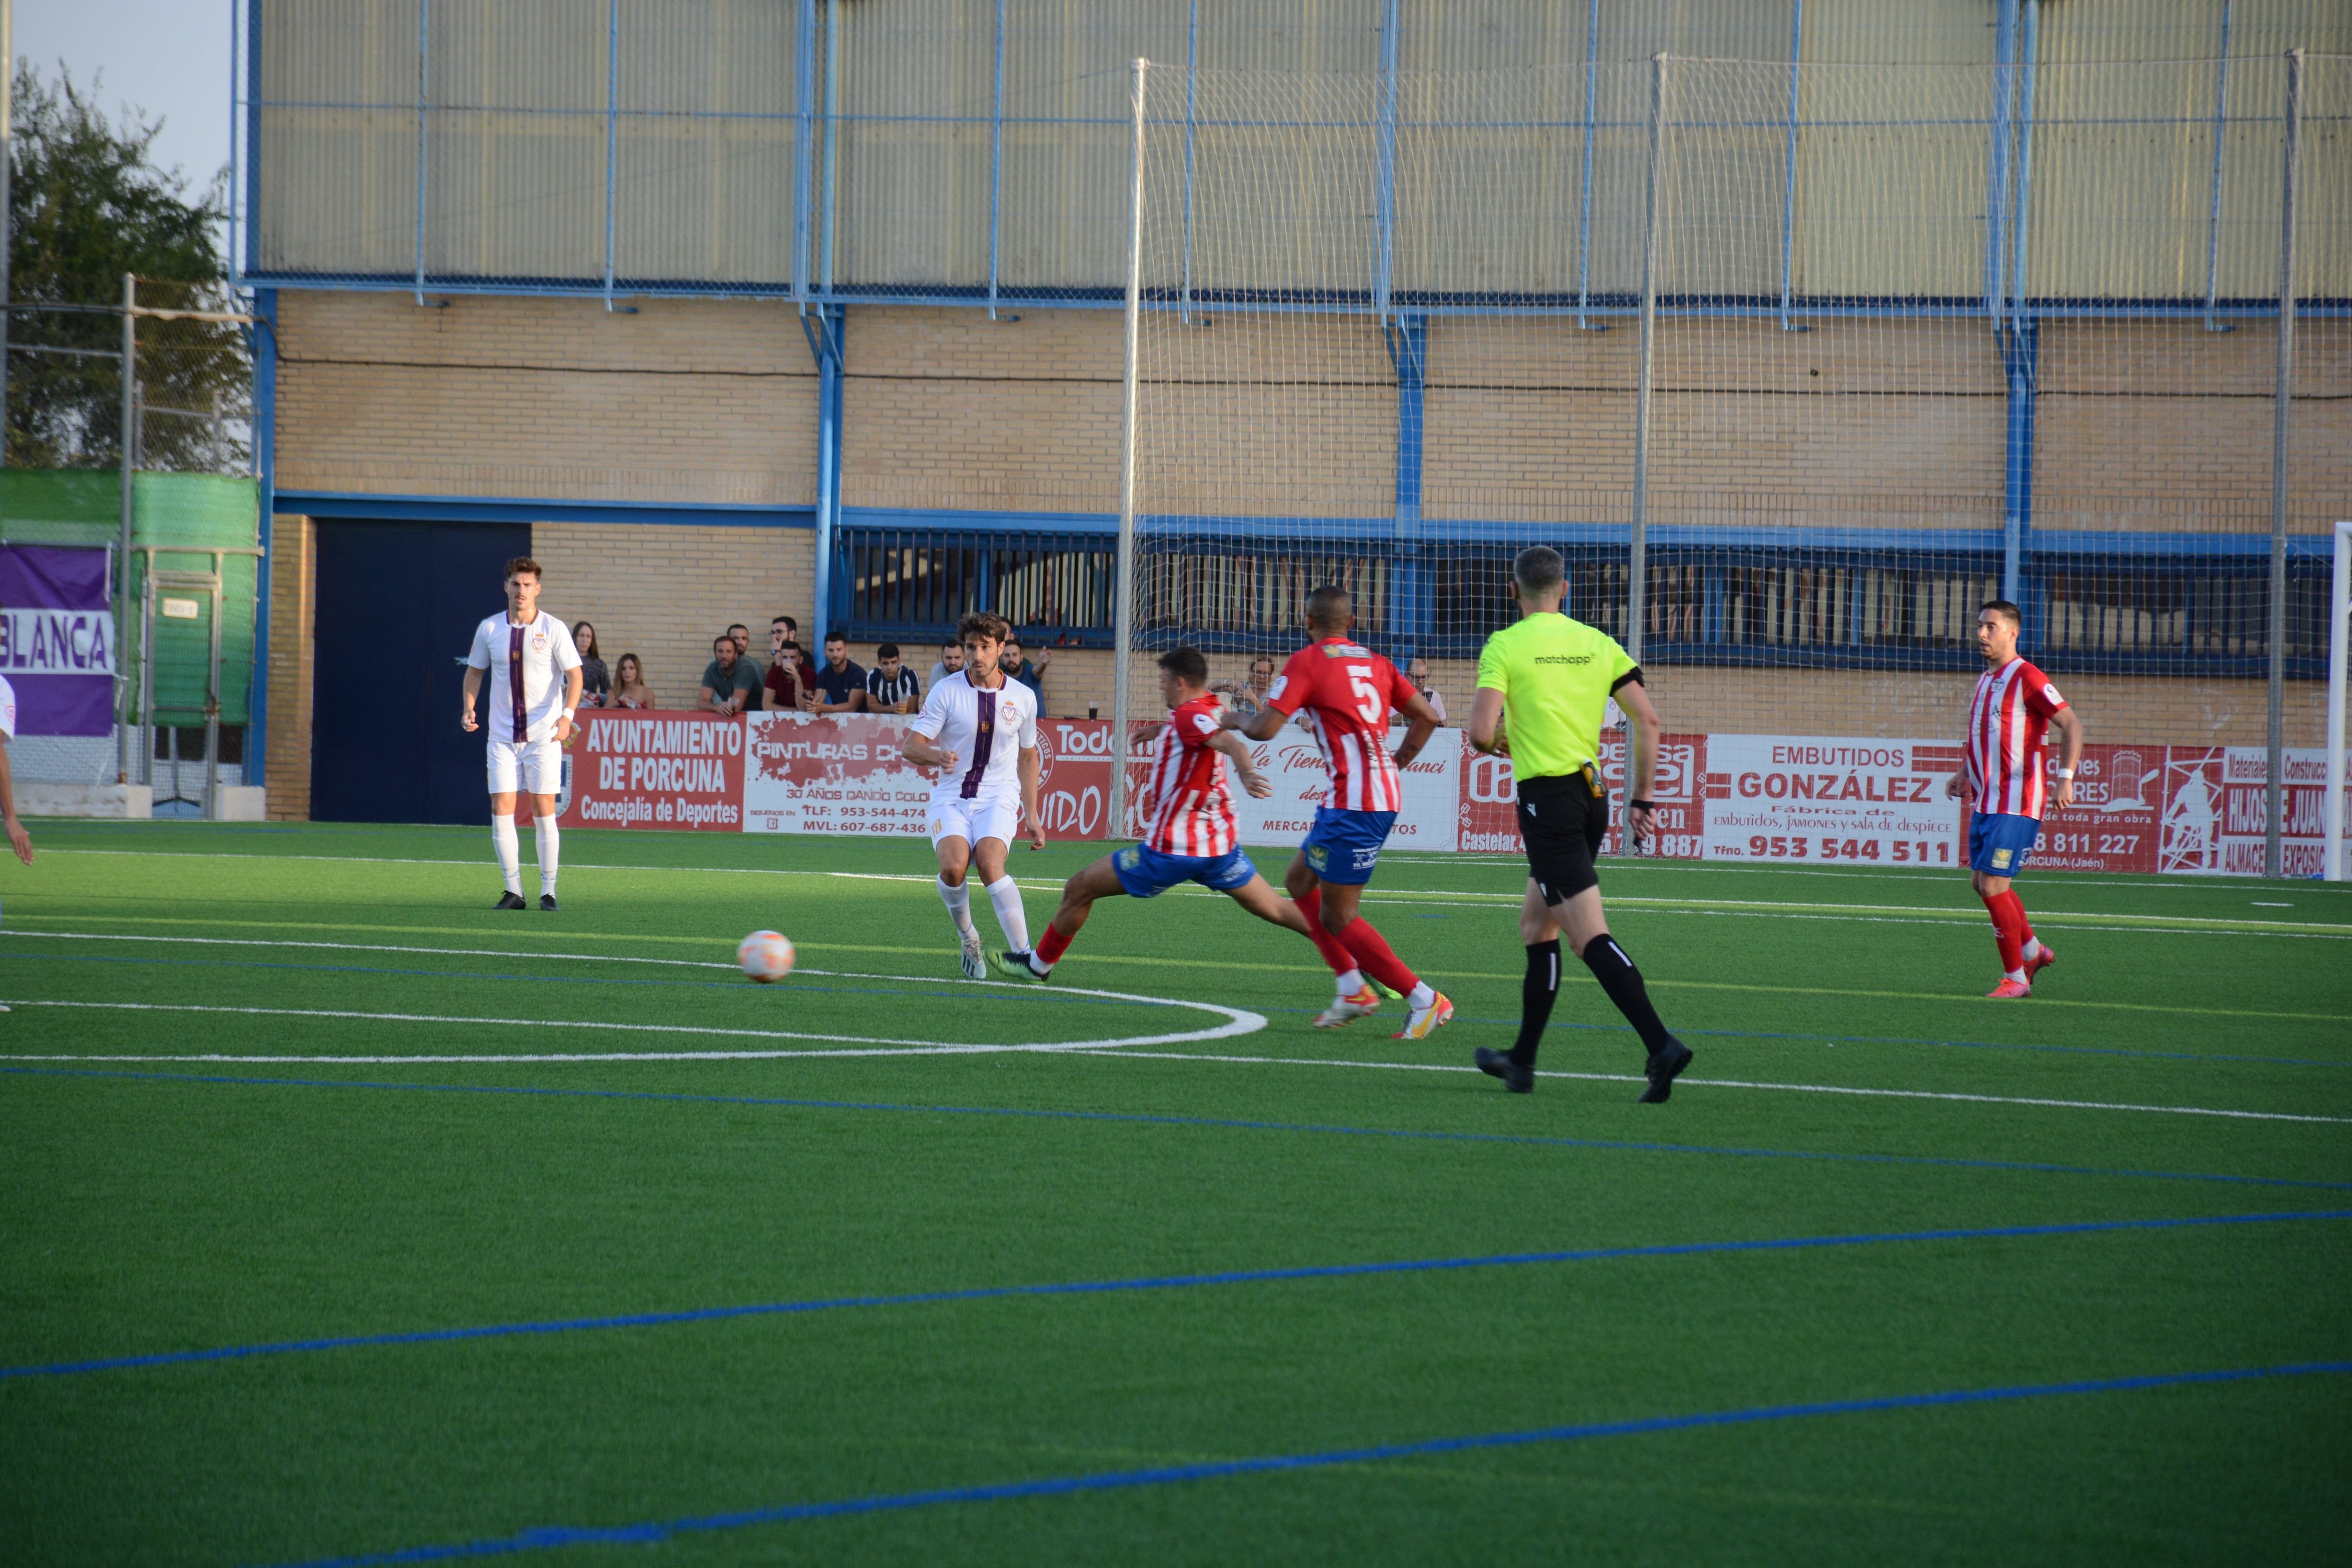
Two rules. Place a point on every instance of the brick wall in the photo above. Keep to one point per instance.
(293, 599)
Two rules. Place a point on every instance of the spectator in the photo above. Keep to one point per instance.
(629, 687)
(839, 683)
(1032, 676)
(1417, 672)
(742, 636)
(1247, 697)
(595, 682)
(891, 687)
(785, 690)
(951, 662)
(783, 630)
(730, 682)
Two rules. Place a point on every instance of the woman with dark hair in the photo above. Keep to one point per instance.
(595, 684)
(629, 687)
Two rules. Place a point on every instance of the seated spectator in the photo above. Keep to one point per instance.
(595, 682)
(785, 689)
(949, 662)
(742, 636)
(1032, 676)
(1418, 673)
(783, 630)
(891, 687)
(839, 683)
(730, 682)
(629, 687)
(1247, 697)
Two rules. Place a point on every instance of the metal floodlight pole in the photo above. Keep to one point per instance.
(2281, 417)
(1123, 612)
(1637, 560)
(2339, 634)
(7, 171)
(130, 464)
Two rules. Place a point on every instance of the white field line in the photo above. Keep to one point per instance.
(1741, 1083)
(1867, 914)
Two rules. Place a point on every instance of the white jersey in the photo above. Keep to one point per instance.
(7, 709)
(985, 729)
(527, 664)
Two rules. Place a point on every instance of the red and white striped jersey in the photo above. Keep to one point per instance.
(1189, 809)
(2008, 718)
(1348, 691)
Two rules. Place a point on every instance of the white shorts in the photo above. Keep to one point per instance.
(528, 767)
(973, 820)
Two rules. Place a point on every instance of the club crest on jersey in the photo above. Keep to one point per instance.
(538, 641)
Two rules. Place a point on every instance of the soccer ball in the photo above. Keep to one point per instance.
(766, 956)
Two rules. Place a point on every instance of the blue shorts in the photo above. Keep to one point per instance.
(1344, 846)
(1999, 842)
(1146, 873)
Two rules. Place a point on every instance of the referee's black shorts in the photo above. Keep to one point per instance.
(1563, 819)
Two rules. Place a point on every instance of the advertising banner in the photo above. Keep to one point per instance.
(845, 774)
(57, 639)
(1428, 818)
(626, 769)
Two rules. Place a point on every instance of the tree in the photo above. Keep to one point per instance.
(88, 206)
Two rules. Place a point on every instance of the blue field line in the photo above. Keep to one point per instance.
(1147, 1282)
(1152, 1119)
(546, 1536)
(948, 989)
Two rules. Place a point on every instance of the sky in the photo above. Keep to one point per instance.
(169, 58)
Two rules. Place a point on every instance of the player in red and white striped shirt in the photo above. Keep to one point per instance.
(2010, 717)
(1190, 836)
(1346, 692)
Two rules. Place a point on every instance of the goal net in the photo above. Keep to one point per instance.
(1796, 366)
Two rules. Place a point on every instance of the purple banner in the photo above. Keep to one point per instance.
(57, 639)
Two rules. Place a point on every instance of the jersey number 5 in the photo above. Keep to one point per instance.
(1368, 695)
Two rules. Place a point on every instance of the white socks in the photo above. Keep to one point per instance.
(1421, 996)
(502, 837)
(2032, 949)
(550, 841)
(1351, 982)
(958, 900)
(1005, 894)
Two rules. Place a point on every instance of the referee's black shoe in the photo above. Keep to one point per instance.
(1665, 1067)
(547, 902)
(1497, 1064)
(510, 902)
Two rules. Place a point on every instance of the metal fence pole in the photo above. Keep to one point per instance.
(1123, 609)
(1789, 186)
(996, 164)
(423, 89)
(611, 133)
(129, 465)
(1637, 560)
(2213, 199)
(7, 170)
(1584, 211)
(2282, 405)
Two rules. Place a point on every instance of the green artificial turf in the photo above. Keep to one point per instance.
(151, 1205)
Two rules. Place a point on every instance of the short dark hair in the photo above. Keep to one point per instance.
(1328, 606)
(832, 637)
(951, 643)
(784, 621)
(722, 640)
(521, 565)
(984, 624)
(887, 650)
(734, 626)
(1013, 639)
(1538, 571)
(1186, 664)
(2004, 608)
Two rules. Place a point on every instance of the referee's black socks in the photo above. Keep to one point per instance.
(1536, 994)
(1623, 983)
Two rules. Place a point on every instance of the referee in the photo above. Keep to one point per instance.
(1557, 676)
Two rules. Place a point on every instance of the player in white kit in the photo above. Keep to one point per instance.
(979, 730)
(18, 839)
(531, 718)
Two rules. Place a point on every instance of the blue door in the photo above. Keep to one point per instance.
(396, 608)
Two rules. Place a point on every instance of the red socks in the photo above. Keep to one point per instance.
(2009, 929)
(1052, 945)
(1372, 956)
(1334, 953)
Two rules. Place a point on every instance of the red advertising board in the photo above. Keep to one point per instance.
(630, 769)
(844, 775)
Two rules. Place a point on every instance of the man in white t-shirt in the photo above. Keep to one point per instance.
(537, 692)
(979, 730)
(18, 839)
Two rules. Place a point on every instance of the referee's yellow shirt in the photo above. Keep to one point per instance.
(1555, 675)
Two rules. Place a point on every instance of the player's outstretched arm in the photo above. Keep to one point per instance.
(1485, 727)
(1416, 708)
(1258, 785)
(1032, 764)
